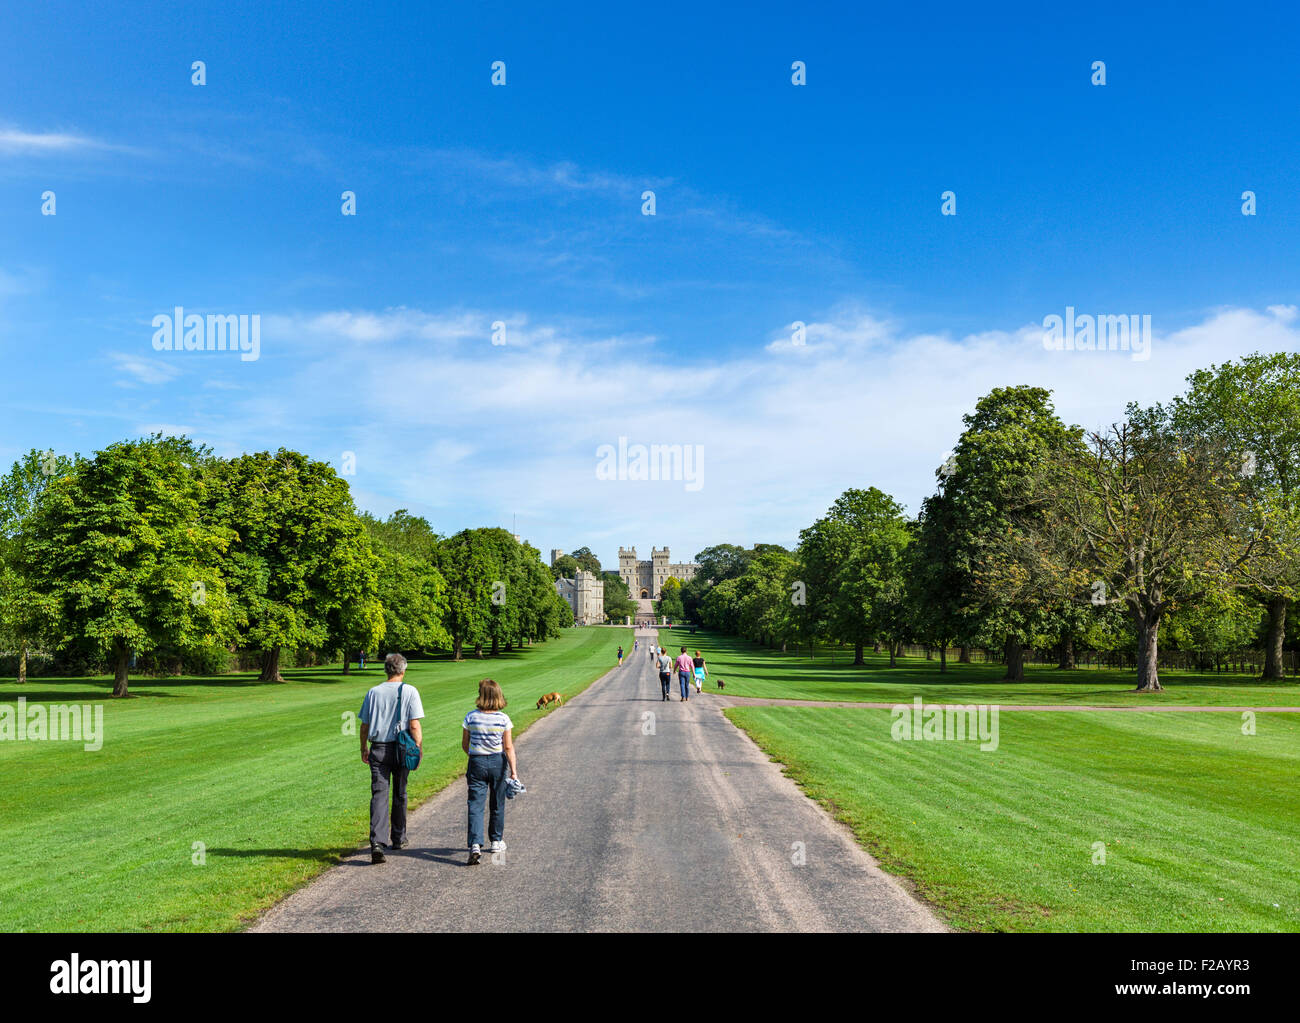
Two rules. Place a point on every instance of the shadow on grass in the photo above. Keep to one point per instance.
(927, 673)
(339, 856)
(70, 692)
(331, 856)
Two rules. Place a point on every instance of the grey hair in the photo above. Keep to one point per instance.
(394, 665)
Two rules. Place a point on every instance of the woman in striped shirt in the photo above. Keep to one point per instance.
(486, 737)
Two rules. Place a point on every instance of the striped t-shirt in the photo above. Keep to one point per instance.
(486, 729)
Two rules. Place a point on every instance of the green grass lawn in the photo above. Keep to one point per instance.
(1200, 823)
(752, 670)
(262, 774)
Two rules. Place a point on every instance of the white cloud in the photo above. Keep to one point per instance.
(143, 370)
(16, 142)
(471, 433)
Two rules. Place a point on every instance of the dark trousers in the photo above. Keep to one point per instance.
(384, 774)
(665, 680)
(486, 777)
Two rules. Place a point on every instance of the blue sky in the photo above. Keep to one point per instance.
(522, 204)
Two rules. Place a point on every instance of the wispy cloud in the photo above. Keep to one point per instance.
(141, 369)
(14, 141)
(469, 432)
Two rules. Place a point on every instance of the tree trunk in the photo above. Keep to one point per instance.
(1147, 663)
(929, 653)
(496, 648)
(271, 666)
(857, 654)
(119, 670)
(1067, 661)
(783, 642)
(1273, 668)
(893, 654)
(347, 662)
(943, 658)
(478, 650)
(964, 656)
(22, 662)
(457, 649)
(1015, 660)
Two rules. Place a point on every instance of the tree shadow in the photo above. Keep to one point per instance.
(73, 691)
(334, 856)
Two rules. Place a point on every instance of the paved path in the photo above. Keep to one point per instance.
(760, 701)
(690, 828)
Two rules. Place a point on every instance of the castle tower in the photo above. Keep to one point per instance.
(627, 570)
(556, 555)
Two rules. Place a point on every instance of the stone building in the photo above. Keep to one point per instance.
(645, 578)
(585, 593)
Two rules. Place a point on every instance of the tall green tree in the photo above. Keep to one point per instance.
(618, 601)
(300, 571)
(939, 573)
(669, 604)
(511, 588)
(854, 559)
(21, 490)
(766, 608)
(122, 551)
(565, 567)
(1010, 433)
(412, 591)
(587, 561)
(721, 562)
(466, 560)
(1142, 518)
(1252, 407)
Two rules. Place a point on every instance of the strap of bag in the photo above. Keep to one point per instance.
(401, 718)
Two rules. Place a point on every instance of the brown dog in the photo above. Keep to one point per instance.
(550, 698)
(719, 681)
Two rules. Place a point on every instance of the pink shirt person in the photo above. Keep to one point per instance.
(684, 663)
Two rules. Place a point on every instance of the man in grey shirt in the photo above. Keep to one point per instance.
(381, 719)
(665, 671)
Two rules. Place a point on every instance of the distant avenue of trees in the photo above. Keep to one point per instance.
(1180, 523)
(155, 549)
(1178, 526)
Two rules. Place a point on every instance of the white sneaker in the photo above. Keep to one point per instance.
(498, 847)
(475, 854)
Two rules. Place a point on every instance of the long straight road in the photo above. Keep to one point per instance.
(640, 815)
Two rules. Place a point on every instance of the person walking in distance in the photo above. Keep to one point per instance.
(384, 709)
(685, 670)
(665, 664)
(699, 670)
(487, 736)
(620, 656)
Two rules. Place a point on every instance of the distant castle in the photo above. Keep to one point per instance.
(585, 593)
(645, 579)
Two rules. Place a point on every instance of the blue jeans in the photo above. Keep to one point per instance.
(685, 680)
(486, 778)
